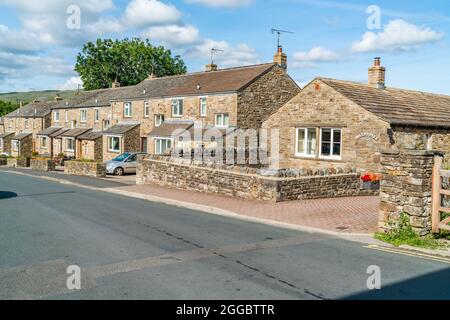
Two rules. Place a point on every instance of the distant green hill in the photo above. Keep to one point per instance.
(26, 97)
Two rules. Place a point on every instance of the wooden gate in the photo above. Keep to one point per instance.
(440, 214)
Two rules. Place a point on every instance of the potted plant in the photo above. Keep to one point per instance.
(371, 181)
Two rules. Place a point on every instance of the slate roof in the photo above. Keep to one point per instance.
(168, 128)
(198, 83)
(91, 135)
(121, 128)
(74, 133)
(21, 136)
(57, 134)
(33, 110)
(5, 135)
(397, 106)
(48, 131)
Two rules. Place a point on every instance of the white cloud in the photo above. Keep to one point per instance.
(232, 56)
(222, 3)
(72, 84)
(105, 26)
(143, 13)
(317, 54)
(174, 35)
(18, 40)
(398, 35)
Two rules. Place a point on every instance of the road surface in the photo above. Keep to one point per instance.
(132, 249)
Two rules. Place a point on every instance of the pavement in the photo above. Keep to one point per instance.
(357, 216)
(133, 249)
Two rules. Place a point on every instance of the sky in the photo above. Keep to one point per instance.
(39, 39)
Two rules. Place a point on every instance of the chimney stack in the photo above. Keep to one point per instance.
(211, 67)
(280, 58)
(152, 76)
(58, 97)
(377, 74)
(115, 84)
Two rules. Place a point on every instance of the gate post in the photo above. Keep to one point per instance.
(436, 197)
(406, 188)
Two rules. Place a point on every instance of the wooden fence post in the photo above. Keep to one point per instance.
(436, 197)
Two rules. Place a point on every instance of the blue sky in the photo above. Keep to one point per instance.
(331, 39)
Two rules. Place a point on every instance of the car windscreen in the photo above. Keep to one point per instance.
(122, 157)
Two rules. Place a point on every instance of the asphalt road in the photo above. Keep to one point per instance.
(132, 249)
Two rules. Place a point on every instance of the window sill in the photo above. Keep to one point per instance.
(295, 157)
(114, 151)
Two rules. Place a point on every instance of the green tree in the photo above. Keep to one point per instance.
(128, 61)
(7, 107)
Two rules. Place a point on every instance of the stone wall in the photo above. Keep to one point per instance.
(42, 164)
(32, 125)
(406, 187)
(75, 114)
(25, 148)
(6, 145)
(319, 106)
(129, 142)
(80, 168)
(18, 162)
(263, 97)
(249, 183)
(92, 149)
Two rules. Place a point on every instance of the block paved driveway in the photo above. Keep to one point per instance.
(349, 215)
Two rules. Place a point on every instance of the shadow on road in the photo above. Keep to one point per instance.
(43, 194)
(7, 195)
(433, 286)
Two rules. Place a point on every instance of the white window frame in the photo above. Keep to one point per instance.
(127, 110)
(159, 122)
(109, 139)
(96, 115)
(179, 107)
(429, 137)
(106, 124)
(305, 143)
(42, 142)
(1, 143)
(224, 116)
(67, 144)
(15, 145)
(146, 109)
(11, 123)
(67, 116)
(83, 119)
(203, 101)
(27, 123)
(332, 157)
(73, 124)
(56, 117)
(161, 139)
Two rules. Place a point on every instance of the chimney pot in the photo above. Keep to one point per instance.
(115, 84)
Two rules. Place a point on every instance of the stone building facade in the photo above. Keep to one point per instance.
(119, 139)
(334, 123)
(21, 145)
(5, 142)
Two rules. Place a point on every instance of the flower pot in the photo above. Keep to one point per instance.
(370, 185)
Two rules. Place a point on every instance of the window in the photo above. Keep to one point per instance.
(44, 142)
(159, 120)
(106, 124)
(73, 124)
(429, 141)
(1, 143)
(70, 144)
(11, 123)
(146, 109)
(177, 108)
(27, 123)
(330, 143)
(305, 142)
(114, 144)
(222, 120)
(203, 107)
(83, 115)
(15, 145)
(56, 116)
(67, 116)
(127, 109)
(162, 145)
(96, 115)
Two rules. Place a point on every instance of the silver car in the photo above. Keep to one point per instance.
(125, 163)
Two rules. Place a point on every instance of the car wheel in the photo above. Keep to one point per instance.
(118, 172)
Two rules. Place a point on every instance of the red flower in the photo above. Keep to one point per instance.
(370, 177)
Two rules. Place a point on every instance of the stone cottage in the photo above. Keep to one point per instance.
(227, 98)
(124, 137)
(21, 145)
(333, 123)
(5, 142)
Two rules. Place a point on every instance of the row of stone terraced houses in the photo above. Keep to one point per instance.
(328, 123)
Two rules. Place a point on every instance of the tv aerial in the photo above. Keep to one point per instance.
(279, 32)
(214, 52)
